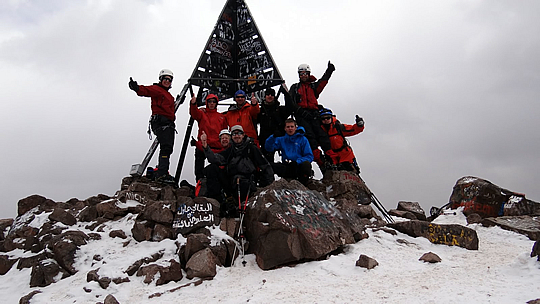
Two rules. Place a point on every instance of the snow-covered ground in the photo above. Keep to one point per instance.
(501, 271)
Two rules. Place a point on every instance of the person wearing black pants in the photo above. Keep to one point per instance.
(162, 120)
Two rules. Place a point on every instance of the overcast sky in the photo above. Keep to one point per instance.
(446, 88)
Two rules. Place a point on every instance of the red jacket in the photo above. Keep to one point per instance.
(162, 101)
(305, 94)
(344, 152)
(211, 122)
(244, 117)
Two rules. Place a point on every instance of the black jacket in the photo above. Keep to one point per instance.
(243, 159)
(271, 118)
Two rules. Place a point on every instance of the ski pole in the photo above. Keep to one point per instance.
(242, 214)
(240, 228)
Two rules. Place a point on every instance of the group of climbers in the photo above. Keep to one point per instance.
(237, 166)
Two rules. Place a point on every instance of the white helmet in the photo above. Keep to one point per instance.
(165, 72)
(224, 131)
(304, 68)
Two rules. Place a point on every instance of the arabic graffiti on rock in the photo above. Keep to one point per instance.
(189, 216)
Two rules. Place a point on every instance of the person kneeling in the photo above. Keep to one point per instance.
(296, 155)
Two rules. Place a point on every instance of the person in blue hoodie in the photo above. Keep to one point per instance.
(296, 155)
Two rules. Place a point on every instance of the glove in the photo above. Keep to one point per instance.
(133, 85)
(277, 133)
(331, 68)
(359, 121)
(193, 142)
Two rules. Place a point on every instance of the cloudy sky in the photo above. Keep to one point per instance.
(447, 88)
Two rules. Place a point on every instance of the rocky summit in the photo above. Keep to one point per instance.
(285, 223)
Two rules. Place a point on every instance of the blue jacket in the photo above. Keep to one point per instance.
(293, 147)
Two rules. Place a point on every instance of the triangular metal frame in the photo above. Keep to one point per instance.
(235, 56)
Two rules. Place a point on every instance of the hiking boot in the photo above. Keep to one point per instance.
(166, 179)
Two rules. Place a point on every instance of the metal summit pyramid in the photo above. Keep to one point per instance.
(235, 56)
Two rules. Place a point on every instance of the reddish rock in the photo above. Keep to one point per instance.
(202, 265)
(414, 208)
(480, 196)
(142, 230)
(46, 273)
(288, 223)
(26, 204)
(110, 299)
(62, 216)
(5, 264)
(118, 233)
(430, 257)
(64, 247)
(162, 232)
(366, 262)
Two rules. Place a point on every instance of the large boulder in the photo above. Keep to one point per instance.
(288, 223)
(453, 235)
(480, 196)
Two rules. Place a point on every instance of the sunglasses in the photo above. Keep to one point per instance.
(326, 117)
(167, 78)
(303, 73)
(240, 96)
(211, 100)
(235, 133)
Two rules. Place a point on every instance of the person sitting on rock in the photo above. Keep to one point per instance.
(241, 161)
(344, 159)
(295, 151)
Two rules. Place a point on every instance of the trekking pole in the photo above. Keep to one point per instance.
(377, 203)
(240, 234)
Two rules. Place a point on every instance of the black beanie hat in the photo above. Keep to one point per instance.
(270, 91)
